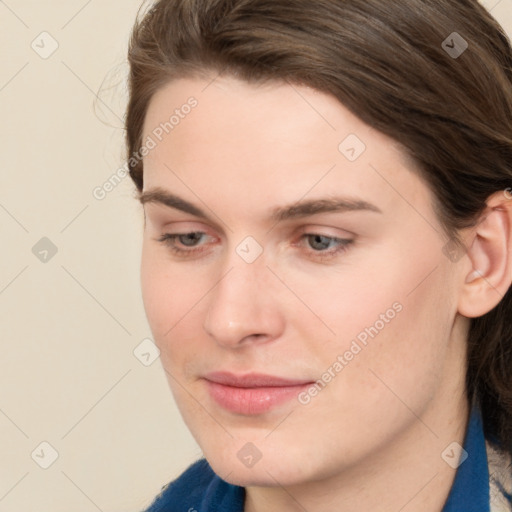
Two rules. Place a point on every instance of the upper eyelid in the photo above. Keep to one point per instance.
(156, 211)
(310, 228)
(285, 223)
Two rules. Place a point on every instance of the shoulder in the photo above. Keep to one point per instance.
(198, 489)
(500, 478)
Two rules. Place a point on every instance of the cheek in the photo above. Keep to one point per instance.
(391, 321)
(162, 292)
(360, 299)
(172, 299)
(152, 288)
(404, 362)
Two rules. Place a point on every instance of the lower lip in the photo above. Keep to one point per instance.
(250, 401)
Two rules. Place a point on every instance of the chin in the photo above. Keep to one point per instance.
(248, 478)
(262, 477)
(266, 472)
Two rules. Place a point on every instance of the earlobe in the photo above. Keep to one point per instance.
(488, 274)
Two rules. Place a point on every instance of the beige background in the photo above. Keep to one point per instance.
(69, 325)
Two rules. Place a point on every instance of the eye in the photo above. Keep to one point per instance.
(189, 240)
(321, 247)
(319, 243)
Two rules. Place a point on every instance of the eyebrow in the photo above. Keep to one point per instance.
(296, 210)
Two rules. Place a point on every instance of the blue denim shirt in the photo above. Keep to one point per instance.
(199, 489)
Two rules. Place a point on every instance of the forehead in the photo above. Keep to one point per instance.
(268, 141)
(275, 112)
(271, 110)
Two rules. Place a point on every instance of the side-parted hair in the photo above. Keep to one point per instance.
(400, 66)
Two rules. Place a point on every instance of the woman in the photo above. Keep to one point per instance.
(327, 253)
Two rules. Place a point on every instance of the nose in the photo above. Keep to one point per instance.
(244, 307)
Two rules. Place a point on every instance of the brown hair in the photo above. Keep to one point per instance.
(387, 63)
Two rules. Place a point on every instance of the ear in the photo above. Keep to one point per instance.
(488, 269)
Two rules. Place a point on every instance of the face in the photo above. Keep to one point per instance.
(303, 246)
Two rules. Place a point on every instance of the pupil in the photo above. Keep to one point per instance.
(191, 237)
(318, 238)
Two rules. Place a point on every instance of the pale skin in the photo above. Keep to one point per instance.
(372, 439)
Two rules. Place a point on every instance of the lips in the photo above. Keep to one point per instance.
(253, 380)
(252, 393)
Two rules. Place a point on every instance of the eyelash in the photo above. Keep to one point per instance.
(168, 239)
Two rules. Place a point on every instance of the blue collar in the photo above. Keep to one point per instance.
(470, 490)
